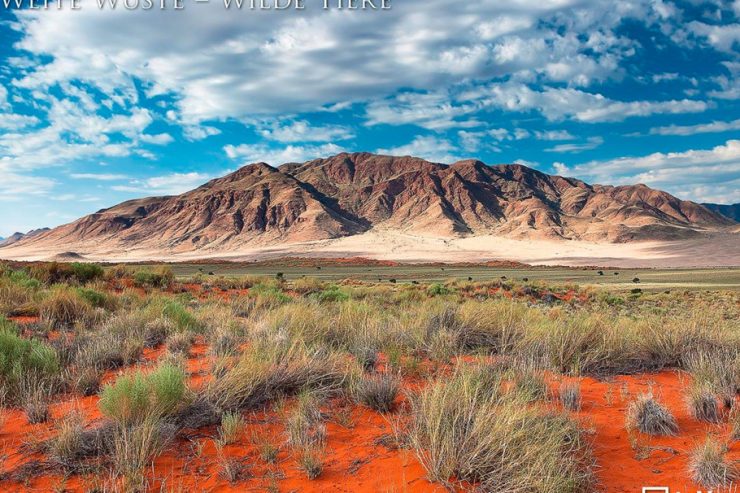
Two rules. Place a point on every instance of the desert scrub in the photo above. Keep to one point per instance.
(702, 403)
(162, 278)
(135, 397)
(68, 446)
(180, 343)
(62, 307)
(709, 465)
(311, 461)
(23, 363)
(469, 428)
(270, 369)
(377, 391)
(305, 425)
(570, 395)
(647, 415)
(232, 426)
(132, 449)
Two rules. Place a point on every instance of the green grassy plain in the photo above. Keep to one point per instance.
(614, 279)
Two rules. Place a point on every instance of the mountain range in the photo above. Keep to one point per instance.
(260, 206)
(731, 211)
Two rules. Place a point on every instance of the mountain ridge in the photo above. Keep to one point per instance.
(731, 211)
(351, 194)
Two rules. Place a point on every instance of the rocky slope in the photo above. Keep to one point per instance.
(18, 236)
(349, 194)
(731, 211)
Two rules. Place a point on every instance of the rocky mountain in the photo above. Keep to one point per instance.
(732, 211)
(16, 237)
(349, 194)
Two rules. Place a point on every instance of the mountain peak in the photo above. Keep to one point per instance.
(352, 193)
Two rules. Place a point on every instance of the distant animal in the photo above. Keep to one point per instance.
(525, 279)
(393, 281)
(470, 278)
(601, 272)
(636, 280)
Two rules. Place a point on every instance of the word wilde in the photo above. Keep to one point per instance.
(301, 5)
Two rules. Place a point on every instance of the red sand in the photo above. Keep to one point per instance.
(356, 457)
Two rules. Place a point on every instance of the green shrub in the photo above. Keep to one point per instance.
(332, 293)
(133, 398)
(62, 307)
(162, 278)
(23, 360)
(97, 299)
(468, 428)
(84, 272)
(437, 289)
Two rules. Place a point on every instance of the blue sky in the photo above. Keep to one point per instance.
(100, 106)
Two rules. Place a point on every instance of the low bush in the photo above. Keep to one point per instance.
(377, 391)
(709, 465)
(161, 278)
(63, 307)
(136, 397)
(232, 426)
(702, 403)
(468, 428)
(649, 416)
(570, 395)
(24, 363)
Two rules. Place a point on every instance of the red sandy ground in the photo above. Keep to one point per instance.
(359, 455)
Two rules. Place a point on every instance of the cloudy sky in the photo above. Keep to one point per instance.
(99, 106)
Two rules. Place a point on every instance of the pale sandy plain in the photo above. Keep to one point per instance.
(712, 250)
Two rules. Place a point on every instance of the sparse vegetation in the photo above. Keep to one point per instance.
(650, 416)
(467, 368)
(709, 465)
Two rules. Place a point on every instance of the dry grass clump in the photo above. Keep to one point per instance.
(272, 368)
(136, 397)
(63, 307)
(570, 395)
(142, 407)
(29, 369)
(734, 419)
(468, 428)
(718, 370)
(702, 403)
(377, 391)
(709, 465)
(649, 416)
(232, 426)
(180, 342)
(305, 425)
(133, 448)
(68, 446)
(310, 461)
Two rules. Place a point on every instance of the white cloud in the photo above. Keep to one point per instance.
(303, 131)
(273, 63)
(12, 121)
(71, 133)
(702, 128)
(98, 176)
(590, 144)
(158, 139)
(172, 184)
(567, 103)
(253, 153)
(429, 148)
(672, 171)
(554, 135)
(15, 186)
